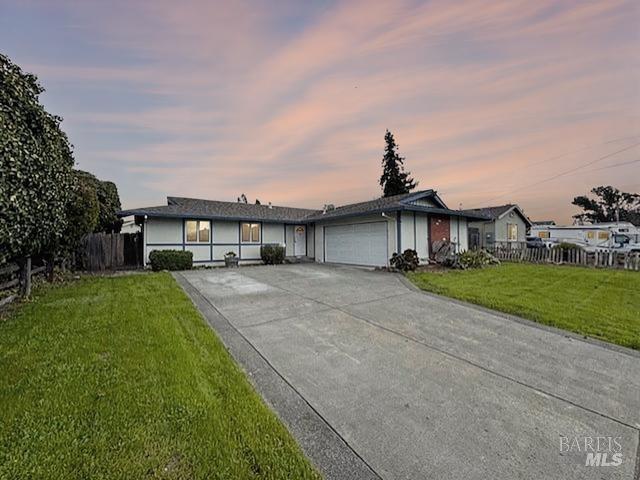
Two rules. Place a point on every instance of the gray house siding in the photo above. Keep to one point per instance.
(169, 234)
(497, 230)
(486, 231)
(501, 230)
(458, 233)
(414, 233)
(311, 244)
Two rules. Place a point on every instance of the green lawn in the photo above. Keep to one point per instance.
(121, 378)
(599, 303)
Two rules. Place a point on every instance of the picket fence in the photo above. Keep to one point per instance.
(604, 259)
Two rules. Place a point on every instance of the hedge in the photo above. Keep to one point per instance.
(170, 260)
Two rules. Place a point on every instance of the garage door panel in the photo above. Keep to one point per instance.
(357, 243)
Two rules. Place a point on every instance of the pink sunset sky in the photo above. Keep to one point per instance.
(491, 102)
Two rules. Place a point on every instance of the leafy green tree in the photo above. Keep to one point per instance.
(108, 203)
(36, 163)
(394, 179)
(82, 211)
(609, 205)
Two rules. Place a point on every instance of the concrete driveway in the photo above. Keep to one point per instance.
(418, 386)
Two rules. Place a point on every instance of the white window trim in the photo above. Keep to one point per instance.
(509, 232)
(251, 241)
(197, 241)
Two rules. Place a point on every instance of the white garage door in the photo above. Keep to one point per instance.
(357, 243)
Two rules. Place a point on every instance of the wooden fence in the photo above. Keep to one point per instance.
(111, 251)
(17, 277)
(626, 261)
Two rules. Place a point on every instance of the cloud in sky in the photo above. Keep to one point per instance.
(289, 101)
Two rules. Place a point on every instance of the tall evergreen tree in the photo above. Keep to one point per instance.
(394, 180)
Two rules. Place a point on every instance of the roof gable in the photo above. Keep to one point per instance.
(430, 195)
(499, 212)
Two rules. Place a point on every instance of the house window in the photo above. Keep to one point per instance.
(198, 231)
(544, 234)
(591, 235)
(250, 233)
(603, 235)
(512, 232)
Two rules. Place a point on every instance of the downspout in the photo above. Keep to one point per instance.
(399, 231)
(183, 236)
(144, 242)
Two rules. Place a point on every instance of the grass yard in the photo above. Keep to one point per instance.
(601, 303)
(121, 378)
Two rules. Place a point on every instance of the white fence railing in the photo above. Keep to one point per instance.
(610, 259)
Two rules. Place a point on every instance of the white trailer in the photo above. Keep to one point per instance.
(616, 236)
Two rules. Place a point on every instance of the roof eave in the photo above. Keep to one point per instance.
(320, 218)
(288, 221)
(443, 211)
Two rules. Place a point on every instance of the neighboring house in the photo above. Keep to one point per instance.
(543, 223)
(504, 225)
(129, 226)
(365, 233)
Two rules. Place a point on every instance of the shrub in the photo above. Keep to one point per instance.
(170, 260)
(272, 254)
(475, 259)
(567, 246)
(406, 262)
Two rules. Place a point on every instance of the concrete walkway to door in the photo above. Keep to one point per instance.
(410, 385)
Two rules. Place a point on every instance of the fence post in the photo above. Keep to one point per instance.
(25, 277)
(50, 266)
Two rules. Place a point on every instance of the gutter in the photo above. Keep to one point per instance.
(188, 216)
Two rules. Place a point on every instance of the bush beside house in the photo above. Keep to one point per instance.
(272, 254)
(476, 259)
(170, 260)
(407, 261)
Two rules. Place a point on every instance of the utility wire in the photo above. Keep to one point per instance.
(567, 172)
(586, 147)
(613, 165)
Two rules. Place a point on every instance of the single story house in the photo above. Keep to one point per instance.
(505, 225)
(365, 233)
